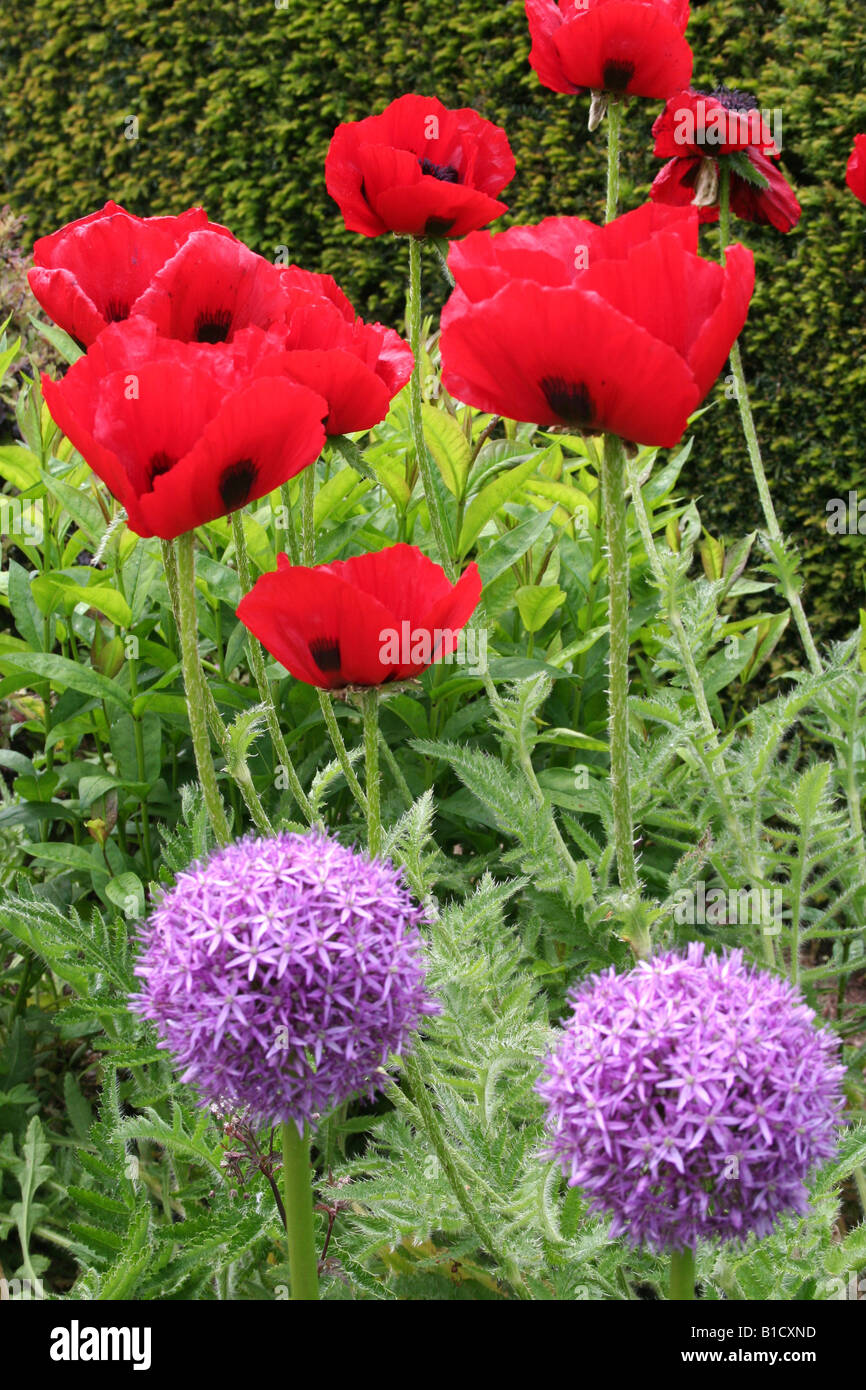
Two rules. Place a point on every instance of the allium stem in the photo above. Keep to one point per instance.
(682, 1285)
(613, 484)
(194, 683)
(614, 128)
(425, 467)
(298, 1203)
(742, 392)
(266, 695)
(370, 708)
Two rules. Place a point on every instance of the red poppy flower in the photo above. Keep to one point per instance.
(91, 272)
(855, 175)
(358, 367)
(621, 328)
(176, 432)
(375, 618)
(699, 130)
(419, 169)
(618, 46)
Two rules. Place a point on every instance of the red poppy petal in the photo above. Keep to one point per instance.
(344, 182)
(357, 399)
(562, 356)
(434, 208)
(855, 172)
(294, 277)
(77, 425)
(211, 288)
(545, 21)
(448, 616)
(674, 186)
(400, 577)
(624, 46)
(775, 205)
(723, 326)
(321, 629)
(66, 303)
(261, 437)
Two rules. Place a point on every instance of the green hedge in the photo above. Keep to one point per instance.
(236, 103)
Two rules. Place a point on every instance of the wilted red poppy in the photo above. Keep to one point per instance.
(855, 175)
(617, 46)
(375, 618)
(176, 432)
(419, 169)
(621, 328)
(697, 133)
(91, 272)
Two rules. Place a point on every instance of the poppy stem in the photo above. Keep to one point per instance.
(370, 709)
(425, 467)
(613, 485)
(308, 523)
(291, 533)
(614, 127)
(341, 750)
(195, 685)
(298, 1206)
(266, 694)
(774, 530)
(682, 1283)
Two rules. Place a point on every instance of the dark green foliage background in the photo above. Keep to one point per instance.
(236, 103)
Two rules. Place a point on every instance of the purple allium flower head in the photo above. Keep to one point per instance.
(691, 1097)
(281, 973)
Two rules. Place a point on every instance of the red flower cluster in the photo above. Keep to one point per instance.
(698, 130)
(621, 328)
(375, 618)
(618, 46)
(419, 169)
(211, 375)
(855, 174)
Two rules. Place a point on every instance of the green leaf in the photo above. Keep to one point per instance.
(511, 547)
(537, 603)
(449, 447)
(68, 675)
(488, 501)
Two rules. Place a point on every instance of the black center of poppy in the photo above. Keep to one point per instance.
(213, 326)
(569, 400)
(325, 651)
(732, 99)
(616, 75)
(236, 483)
(438, 226)
(160, 463)
(115, 310)
(444, 172)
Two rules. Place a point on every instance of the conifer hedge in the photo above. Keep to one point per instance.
(231, 103)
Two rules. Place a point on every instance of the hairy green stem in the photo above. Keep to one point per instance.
(614, 130)
(425, 467)
(195, 685)
(291, 533)
(298, 1204)
(613, 484)
(370, 709)
(341, 750)
(748, 421)
(308, 523)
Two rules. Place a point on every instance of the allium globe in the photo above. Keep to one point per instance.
(282, 972)
(691, 1097)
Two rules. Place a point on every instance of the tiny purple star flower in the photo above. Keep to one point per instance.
(692, 1097)
(283, 972)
